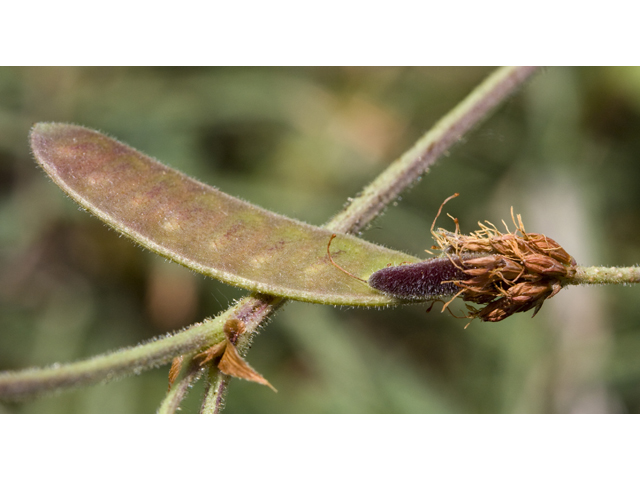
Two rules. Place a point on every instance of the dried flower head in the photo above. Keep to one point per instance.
(509, 272)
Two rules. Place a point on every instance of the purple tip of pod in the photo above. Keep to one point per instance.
(419, 281)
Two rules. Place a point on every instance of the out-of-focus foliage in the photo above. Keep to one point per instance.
(564, 152)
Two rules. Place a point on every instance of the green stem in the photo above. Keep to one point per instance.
(606, 275)
(214, 391)
(110, 366)
(179, 389)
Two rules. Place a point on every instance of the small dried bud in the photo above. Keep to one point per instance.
(233, 328)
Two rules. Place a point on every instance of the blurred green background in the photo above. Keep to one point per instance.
(564, 152)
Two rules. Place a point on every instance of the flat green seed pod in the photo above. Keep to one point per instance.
(204, 229)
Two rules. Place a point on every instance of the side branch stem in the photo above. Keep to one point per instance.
(416, 161)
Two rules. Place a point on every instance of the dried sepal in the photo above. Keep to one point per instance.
(211, 353)
(233, 364)
(174, 371)
(229, 360)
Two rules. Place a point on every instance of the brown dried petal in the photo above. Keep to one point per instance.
(233, 364)
(211, 353)
(477, 245)
(478, 297)
(511, 270)
(550, 247)
(489, 261)
(176, 365)
(496, 311)
(555, 288)
(504, 244)
(545, 265)
(528, 290)
(476, 271)
(482, 282)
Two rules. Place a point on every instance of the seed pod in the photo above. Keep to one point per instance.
(419, 281)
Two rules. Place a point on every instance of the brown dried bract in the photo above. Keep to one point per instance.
(174, 371)
(509, 272)
(230, 362)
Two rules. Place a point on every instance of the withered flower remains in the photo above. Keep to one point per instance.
(510, 273)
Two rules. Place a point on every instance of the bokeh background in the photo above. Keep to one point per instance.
(564, 152)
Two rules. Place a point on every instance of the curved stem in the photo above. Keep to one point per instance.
(606, 275)
(110, 366)
(179, 389)
(417, 160)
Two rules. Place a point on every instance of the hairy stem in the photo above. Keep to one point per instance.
(179, 389)
(110, 366)
(606, 275)
(417, 160)
(215, 390)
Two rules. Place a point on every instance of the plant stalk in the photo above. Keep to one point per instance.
(416, 161)
(606, 275)
(114, 365)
